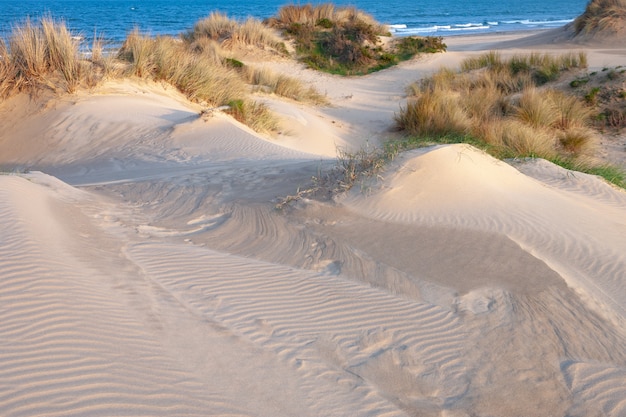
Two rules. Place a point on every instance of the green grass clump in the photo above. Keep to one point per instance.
(579, 82)
(408, 47)
(592, 96)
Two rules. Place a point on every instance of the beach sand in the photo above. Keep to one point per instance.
(145, 271)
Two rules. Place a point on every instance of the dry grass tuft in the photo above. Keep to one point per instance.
(602, 16)
(435, 112)
(579, 141)
(491, 59)
(28, 51)
(40, 55)
(325, 15)
(283, 85)
(200, 76)
(230, 33)
(62, 52)
(137, 50)
(497, 103)
(483, 103)
(571, 111)
(253, 114)
(535, 109)
(521, 140)
(8, 72)
(216, 26)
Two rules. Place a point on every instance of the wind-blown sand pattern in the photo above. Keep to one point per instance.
(144, 268)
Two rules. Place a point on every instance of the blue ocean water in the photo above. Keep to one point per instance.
(113, 19)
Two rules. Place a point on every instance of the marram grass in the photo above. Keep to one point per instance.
(497, 104)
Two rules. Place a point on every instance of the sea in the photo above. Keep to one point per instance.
(111, 20)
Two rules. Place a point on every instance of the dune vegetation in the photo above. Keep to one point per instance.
(602, 16)
(230, 33)
(202, 63)
(508, 108)
(344, 40)
(37, 55)
(44, 55)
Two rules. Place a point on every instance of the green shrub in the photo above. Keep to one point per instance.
(592, 96)
(578, 82)
(325, 23)
(408, 47)
(233, 63)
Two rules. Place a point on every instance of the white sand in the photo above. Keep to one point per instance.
(145, 271)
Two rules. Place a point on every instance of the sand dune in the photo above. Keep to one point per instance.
(144, 269)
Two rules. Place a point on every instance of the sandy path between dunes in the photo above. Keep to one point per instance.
(146, 270)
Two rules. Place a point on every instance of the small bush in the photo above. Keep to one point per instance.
(408, 47)
(233, 63)
(325, 23)
(615, 117)
(613, 75)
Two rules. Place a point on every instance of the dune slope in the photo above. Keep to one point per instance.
(144, 268)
